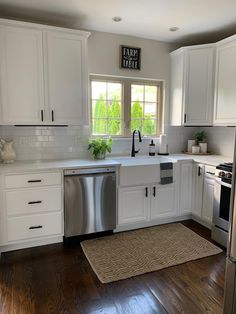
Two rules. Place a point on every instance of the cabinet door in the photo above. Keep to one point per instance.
(225, 91)
(199, 86)
(186, 173)
(65, 58)
(197, 193)
(176, 95)
(208, 200)
(163, 201)
(21, 67)
(133, 204)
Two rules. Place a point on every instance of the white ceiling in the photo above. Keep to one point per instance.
(197, 19)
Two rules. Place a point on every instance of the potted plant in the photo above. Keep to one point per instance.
(99, 147)
(201, 138)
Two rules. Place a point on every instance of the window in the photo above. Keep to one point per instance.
(121, 105)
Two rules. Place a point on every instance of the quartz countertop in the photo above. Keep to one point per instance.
(115, 161)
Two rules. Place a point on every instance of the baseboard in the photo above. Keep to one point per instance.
(19, 246)
(156, 222)
(202, 222)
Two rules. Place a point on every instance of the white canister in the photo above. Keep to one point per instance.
(203, 148)
(191, 143)
(195, 149)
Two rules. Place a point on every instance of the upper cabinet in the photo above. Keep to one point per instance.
(225, 91)
(43, 73)
(21, 68)
(192, 80)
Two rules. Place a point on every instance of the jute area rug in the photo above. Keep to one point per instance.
(127, 254)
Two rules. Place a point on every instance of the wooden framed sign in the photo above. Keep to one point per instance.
(130, 58)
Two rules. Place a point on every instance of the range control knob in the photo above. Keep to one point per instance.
(228, 175)
(222, 174)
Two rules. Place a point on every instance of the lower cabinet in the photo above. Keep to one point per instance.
(133, 204)
(186, 179)
(208, 200)
(163, 201)
(146, 203)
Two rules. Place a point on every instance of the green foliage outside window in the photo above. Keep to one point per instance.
(107, 119)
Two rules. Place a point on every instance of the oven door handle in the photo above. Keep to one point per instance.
(227, 185)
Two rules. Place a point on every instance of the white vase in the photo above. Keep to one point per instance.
(203, 148)
(196, 149)
(7, 152)
(191, 143)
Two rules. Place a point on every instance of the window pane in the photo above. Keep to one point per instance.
(114, 91)
(114, 127)
(137, 110)
(149, 127)
(137, 92)
(99, 126)
(150, 93)
(150, 109)
(114, 109)
(98, 90)
(99, 108)
(136, 124)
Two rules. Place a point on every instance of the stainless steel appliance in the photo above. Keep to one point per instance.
(230, 280)
(221, 208)
(90, 200)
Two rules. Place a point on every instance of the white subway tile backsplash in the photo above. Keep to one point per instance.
(35, 143)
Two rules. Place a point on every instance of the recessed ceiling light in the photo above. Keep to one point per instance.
(117, 19)
(173, 29)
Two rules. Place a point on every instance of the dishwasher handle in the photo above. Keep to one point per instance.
(90, 171)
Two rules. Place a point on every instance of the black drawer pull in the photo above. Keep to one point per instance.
(212, 173)
(146, 192)
(154, 191)
(34, 181)
(34, 202)
(35, 227)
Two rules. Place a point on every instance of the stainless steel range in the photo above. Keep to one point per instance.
(221, 209)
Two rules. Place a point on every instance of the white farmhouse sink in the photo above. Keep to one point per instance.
(142, 160)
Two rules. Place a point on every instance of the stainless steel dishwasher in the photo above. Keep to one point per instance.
(90, 200)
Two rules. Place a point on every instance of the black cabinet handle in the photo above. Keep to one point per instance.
(34, 202)
(35, 227)
(42, 115)
(212, 173)
(199, 171)
(52, 115)
(34, 181)
(146, 192)
(185, 118)
(154, 191)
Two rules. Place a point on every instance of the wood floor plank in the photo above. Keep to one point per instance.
(58, 279)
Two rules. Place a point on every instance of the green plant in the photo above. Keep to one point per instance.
(201, 137)
(100, 146)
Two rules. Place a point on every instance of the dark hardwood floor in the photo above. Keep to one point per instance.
(57, 279)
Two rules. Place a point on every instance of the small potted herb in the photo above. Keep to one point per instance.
(99, 147)
(201, 138)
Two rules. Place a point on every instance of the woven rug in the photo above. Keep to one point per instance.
(127, 254)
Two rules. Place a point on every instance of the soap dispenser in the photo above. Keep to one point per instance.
(152, 150)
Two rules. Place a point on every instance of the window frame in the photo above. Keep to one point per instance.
(126, 102)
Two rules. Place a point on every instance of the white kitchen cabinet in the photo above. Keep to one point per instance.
(208, 199)
(225, 92)
(65, 77)
(186, 182)
(197, 191)
(21, 71)
(192, 76)
(43, 74)
(163, 201)
(133, 204)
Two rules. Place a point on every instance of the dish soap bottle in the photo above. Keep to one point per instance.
(152, 150)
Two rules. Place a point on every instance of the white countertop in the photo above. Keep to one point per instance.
(116, 161)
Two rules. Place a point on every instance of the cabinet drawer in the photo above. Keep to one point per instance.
(32, 180)
(28, 227)
(33, 201)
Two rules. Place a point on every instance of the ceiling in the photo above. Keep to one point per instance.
(198, 20)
